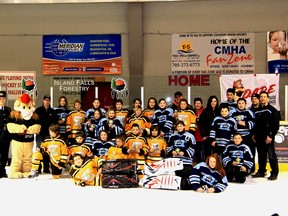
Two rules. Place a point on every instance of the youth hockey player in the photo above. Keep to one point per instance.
(136, 148)
(116, 152)
(75, 121)
(222, 129)
(101, 146)
(237, 160)
(56, 149)
(208, 176)
(86, 171)
(157, 146)
(182, 145)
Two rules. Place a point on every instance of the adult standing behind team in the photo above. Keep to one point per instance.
(47, 116)
(178, 96)
(205, 120)
(198, 109)
(265, 129)
(255, 106)
(5, 137)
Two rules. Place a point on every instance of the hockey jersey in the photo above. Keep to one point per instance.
(240, 153)
(189, 119)
(100, 148)
(141, 120)
(222, 130)
(157, 149)
(75, 122)
(248, 117)
(62, 115)
(164, 118)
(122, 115)
(140, 143)
(182, 141)
(205, 177)
(57, 149)
(115, 153)
(87, 172)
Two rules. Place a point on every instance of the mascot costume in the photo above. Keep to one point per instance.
(23, 123)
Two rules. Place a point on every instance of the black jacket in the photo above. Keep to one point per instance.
(266, 122)
(47, 117)
(4, 134)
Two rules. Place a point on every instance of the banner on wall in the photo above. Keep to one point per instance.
(281, 142)
(81, 54)
(277, 52)
(213, 53)
(17, 82)
(247, 84)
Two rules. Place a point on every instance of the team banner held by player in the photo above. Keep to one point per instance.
(82, 54)
(247, 84)
(213, 53)
(277, 52)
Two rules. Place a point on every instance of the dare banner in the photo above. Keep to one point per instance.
(213, 53)
(247, 84)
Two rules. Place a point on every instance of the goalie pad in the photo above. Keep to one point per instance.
(166, 182)
(120, 166)
(119, 181)
(163, 167)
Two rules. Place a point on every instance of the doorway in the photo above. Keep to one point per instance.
(104, 95)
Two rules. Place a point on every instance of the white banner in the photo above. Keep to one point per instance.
(213, 53)
(14, 82)
(246, 85)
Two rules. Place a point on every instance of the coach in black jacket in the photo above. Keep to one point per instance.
(265, 129)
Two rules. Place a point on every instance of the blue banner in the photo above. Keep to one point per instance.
(82, 54)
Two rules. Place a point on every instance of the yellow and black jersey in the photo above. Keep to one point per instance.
(57, 149)
(115, 152)
(75, 122)
(122, 115)
(148, 113)
(157, 149)
(87, 172)
(189, 119)
(134, 144)
(80, 149)
(141, 120)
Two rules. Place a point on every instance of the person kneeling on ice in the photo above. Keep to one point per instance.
(86, 170)
(237, 160)
(56, 149)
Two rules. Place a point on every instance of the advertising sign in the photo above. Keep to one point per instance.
(81, 54)
(213, 53)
